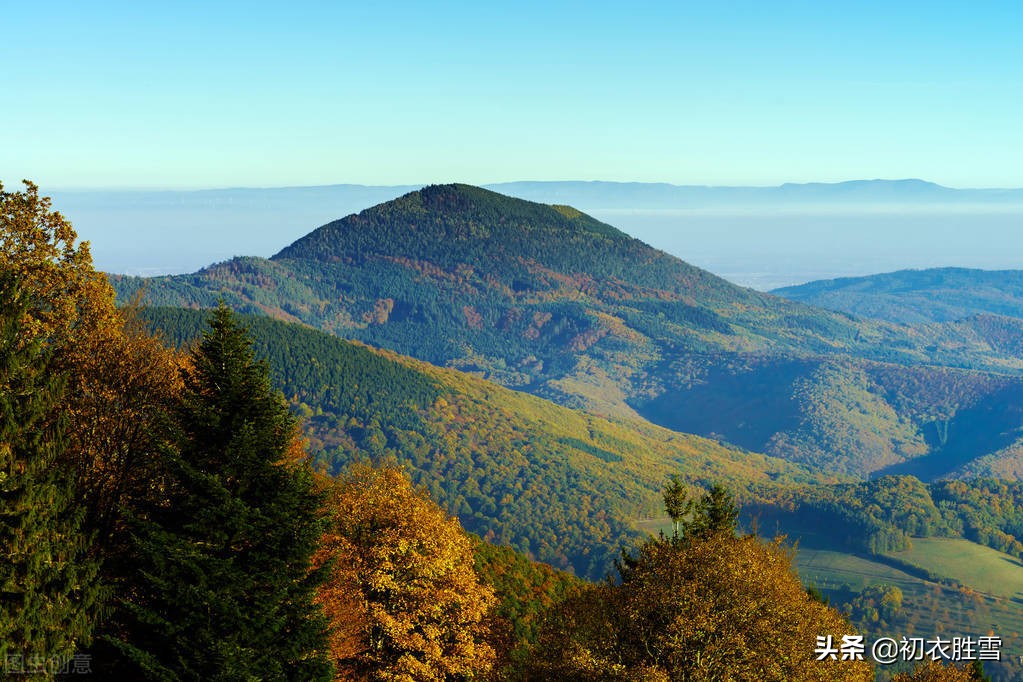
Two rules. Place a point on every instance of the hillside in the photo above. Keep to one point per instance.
(547, 300)
(570, 488)
(564, 486)
(918, 296)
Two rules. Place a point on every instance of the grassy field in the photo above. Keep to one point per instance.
(830, 570)
(982, 568)
(991, 601)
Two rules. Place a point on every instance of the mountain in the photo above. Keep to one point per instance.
(567, 487)
(639, 195)
(548, 300)
(571, 488)
(918, 296)
(176, 231)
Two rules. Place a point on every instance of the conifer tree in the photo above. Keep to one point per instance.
(715, 513)
(228, 586)
(48, 584)
(676, 503)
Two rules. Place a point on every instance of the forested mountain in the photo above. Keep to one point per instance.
(547, 300)
(565, 486)
(918, 296)
(572, 488)
(195, 530)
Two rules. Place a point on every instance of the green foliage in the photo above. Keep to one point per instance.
(918, 296)
(49, 591)
(561, 486)
(873, 517)
(225, 589)
(676, 503)
(548, 300)
(985, 511)
(715, 513)
(526, 591)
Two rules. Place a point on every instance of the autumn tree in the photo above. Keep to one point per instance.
(118, 379)
(716, 607)
(403, 599)
(226, 585)
(48, 583)
(707, 606)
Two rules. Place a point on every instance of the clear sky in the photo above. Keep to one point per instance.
(216, 94)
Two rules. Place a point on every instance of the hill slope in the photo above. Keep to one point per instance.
(572, 488)
(564, 486)
(548, 300)
(918, 296)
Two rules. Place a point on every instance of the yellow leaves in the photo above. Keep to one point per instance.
(70, 299)
(118, 376)
(712, 608)
(414, 607)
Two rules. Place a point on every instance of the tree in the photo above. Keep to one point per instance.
(118, 379)
(715, 513)
(48, 583)
(67, 300)
(713, 607)
(676, 502)
(227, 587)
(708, 605)
(404, 600)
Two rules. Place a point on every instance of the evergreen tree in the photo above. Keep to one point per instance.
(48, 586)
(715, 513)
(228, 587)
(676, 503)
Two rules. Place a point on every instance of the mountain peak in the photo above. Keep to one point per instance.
(430, 222)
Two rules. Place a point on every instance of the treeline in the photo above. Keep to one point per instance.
(883, 515)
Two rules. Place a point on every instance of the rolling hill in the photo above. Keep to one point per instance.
(571, 488)
(550, 301)
(564, 486)
(918, 296)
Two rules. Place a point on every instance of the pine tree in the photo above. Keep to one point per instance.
(715, 513)
(48, 584)
(228, 586)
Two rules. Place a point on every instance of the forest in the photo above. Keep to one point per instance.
(547, 300)
(163, 518)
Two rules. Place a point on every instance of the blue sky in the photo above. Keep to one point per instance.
(187, 95)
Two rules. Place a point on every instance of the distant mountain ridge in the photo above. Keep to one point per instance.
(599, 194)
(548, 300)
(126, 226)
(918, 296)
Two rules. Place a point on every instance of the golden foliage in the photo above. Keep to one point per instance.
(70, 300)
(119, 377)
(711, 608)
(403, 600)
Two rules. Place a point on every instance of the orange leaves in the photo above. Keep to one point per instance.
(402, 597)
(118, 375)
